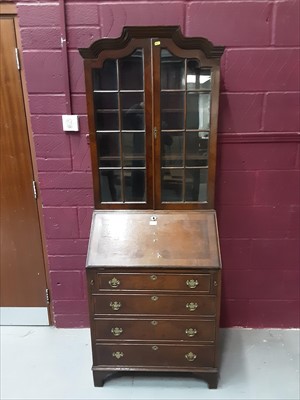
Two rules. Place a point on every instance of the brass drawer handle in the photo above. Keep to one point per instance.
(191, 306)
(153, 277)
(192, 283)
(191, 332)
(190, 356)
(116, 305)
(118, 354)
(154, 347)
(154, 298)
(114, 282)
(116, 331)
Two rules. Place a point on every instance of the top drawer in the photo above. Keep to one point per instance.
(152, 281)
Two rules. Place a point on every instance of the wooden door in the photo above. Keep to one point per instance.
(23, 281)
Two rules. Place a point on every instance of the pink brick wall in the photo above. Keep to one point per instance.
(259, 149)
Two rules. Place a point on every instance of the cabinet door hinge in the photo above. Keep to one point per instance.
(34, 188)
(47, 296)
(17, 58)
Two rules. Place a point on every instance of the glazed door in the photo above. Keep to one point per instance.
(184, 127)
(120, 118)
(23, 282)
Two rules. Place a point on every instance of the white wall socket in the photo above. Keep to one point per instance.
(70, 123)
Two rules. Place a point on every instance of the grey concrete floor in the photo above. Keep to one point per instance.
(48, 363)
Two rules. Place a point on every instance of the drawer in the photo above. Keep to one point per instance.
(154, 355)
(153, 281)
(154, 329)
(154, 304)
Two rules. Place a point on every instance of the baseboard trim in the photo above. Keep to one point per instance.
(24, 316)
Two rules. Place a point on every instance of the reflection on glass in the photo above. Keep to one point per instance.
(171, 71)
(172, 149)
(171, 184)
(105, 78)
(198, 111)
(196, 184)
(108, 149)
(110, 184)
(107, 120)
(172, 110)
(134, 184)
(131, 71)
(133, 145)
(196, 149)
(132, 109)
(106, 101)
(197, 78)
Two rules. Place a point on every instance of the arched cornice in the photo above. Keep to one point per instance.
(172, 32)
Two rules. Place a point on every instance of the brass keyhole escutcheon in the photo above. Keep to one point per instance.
(92, 282)
(154, 298)
(154, 347)
(116, 331)
(116, 305)
(153, 277)
(192, 283)
(114, 282)
(190, 356)
(118, 354)
(191, 332)
(154, 323)
(191, 306)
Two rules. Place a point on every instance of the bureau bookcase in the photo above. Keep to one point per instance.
(153, 264)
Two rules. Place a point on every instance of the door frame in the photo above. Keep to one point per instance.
(10, 10)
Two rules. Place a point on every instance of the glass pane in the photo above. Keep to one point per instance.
(171, 71)
(107, 120)
(196, 184)
(172, 110)
(132, 107)
(133, 145)
(105, 78)
(108, 149)
(197, 78)
(198, 111)
(107, 101)
(172, 149)
(110, 184)
(171, 184)
(196, 149)
(131, 71)
(134, 184)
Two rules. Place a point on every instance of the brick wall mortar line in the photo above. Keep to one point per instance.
(246, 48)
(185, 13)
(261, 92)
(53, 50)
(273, 23)
(264, 106)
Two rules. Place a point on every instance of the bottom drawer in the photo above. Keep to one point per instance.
(152, 355)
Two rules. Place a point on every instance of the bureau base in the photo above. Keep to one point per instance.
(101, 376)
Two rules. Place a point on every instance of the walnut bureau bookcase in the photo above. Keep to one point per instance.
(153, 264)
